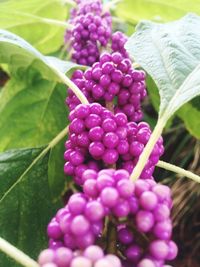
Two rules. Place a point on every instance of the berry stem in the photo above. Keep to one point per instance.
(111, 238)
(59, 23)
(64, 79)
(140, 237)
(71, 186)
(148, 149)
(180, 171)
(58, 138)
(110, 106)
(17, 254)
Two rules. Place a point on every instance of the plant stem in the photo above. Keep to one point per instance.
(70, 84)
(63, 24)
(178, 170)
(55, 22)
(140, 237)
(110, 106)
(111, 238)
(147, 150)
(58, 138)
(17, 254)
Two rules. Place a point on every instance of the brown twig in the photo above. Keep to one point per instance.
(111, 238)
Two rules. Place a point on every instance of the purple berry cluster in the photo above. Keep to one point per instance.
(106, 139)
(95, 134)
(99, 137)
(92, 256)
(113, 188)
(110, 193)
(118, 41)
(146, 204)
(91, 31)
(112, 77)
(78, 224)
(152, 217)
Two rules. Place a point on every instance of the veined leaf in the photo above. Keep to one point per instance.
(26, 204)
(31, 113)
(46, 38)
(170, 53)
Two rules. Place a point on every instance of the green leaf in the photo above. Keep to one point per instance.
(31, 113)
(190, 116)
(170, 53)
(26, 205)
(46, 38)
(20, 55)
(157, 10)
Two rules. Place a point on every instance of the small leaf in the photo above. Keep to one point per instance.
(170, 53)
(26, 205)
(18, 53)
(46, 38)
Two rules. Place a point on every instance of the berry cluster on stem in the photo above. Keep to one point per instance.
(128, 220)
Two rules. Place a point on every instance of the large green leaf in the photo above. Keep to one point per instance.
(170, 53)
(26, 204)
(18, 53)
(31, 113)
(157, 10)
(46, 38)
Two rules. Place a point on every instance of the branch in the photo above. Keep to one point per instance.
(111, 238)
(55, 22)
(17, 254)
(180, 171)
(53, 143)
(70, 84)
